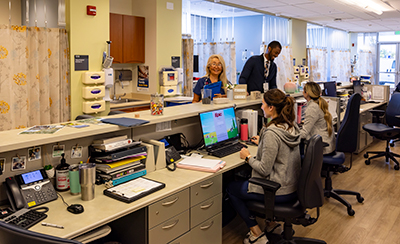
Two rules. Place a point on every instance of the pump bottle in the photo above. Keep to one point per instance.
(62, 175)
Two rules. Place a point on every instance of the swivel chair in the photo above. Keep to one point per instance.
(309, 192)
(388, 132)
(346, 141)
(11, 234)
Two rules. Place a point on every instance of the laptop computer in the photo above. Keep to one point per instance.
(220, 132)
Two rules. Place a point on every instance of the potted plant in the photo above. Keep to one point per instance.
(229, 90)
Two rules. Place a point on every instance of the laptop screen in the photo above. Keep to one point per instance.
(219, 126)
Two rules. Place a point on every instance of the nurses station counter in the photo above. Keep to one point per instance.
(196, 215)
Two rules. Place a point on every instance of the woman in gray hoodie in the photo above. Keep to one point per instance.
(277, 159)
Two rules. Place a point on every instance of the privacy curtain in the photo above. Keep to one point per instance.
(366, 64)
(34, 76)
(340, 65)
(317, 58)
(226, 49)
(187, 53)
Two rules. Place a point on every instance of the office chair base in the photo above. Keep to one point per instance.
(387, 154)
(287, 237)
(335, 194)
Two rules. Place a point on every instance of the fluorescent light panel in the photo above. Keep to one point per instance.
(368, 5)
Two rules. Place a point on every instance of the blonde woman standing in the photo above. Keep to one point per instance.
(318, 120)
(216, 71)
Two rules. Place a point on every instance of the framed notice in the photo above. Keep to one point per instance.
(143, 78)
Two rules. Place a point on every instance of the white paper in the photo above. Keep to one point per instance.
(378, 92)
(200, 162)
(332, 106)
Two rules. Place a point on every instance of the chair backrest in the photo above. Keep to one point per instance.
(10, 234)
(392, 110)
(309, 190)
(347, 136)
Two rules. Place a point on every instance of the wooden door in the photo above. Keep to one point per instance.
(116, 37)
(133, 39)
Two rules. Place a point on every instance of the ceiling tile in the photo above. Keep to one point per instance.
(290, 11)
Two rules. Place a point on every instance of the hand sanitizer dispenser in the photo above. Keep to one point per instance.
(109, 83)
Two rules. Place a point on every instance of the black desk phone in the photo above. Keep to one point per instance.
(29, 189)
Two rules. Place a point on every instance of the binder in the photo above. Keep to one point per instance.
(110, 139)
(116, 145)
(116, 154)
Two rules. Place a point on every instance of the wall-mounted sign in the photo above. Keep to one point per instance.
(81, 62)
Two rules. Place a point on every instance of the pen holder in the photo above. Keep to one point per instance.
(87, 178)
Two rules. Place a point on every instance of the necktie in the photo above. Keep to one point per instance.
(266, 66)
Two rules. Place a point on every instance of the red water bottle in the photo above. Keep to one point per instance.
(244, 130)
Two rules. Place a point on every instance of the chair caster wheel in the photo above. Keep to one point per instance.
(350, 212)
(392, 144)
(396, 167)
(360, 199)
(365, 155)
(367, 162)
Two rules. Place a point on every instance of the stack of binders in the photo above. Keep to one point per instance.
(118, 159)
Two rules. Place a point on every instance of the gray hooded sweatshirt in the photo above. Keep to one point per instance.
(278, 159)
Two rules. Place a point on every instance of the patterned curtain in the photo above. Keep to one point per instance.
(34, 76)
(226, 49)
(317, 59)
(366, 64)
(340, 65)
(187, 51)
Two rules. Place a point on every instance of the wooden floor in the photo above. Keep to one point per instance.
(376, 220)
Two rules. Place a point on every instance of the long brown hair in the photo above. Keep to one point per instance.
(284, 107)
(314, 91)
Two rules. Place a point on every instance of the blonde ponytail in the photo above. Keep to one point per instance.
(323, 105)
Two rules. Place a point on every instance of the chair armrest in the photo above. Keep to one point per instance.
(270, 188)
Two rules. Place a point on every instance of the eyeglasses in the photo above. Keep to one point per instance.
(216, 65)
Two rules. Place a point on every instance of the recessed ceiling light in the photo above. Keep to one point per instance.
(338, 20)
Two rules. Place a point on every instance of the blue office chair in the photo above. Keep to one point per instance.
(11, 234)
(388, 133)
(346, 142)
(309, 193)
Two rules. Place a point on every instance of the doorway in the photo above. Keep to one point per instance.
(388, 65)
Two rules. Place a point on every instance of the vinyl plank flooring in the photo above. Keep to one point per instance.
(376, 220)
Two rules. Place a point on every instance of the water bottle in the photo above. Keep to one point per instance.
(244, 130)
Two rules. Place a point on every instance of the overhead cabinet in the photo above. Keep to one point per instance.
(127, 38)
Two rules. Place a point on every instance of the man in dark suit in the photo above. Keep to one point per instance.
(260, 71)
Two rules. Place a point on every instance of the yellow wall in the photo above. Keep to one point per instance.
(87, 36)
(298, 40)
(15, 12)
(169, 32)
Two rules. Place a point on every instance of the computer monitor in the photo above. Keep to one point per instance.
(219, 126)
(329, 89)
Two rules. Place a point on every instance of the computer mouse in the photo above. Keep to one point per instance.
(75, 208)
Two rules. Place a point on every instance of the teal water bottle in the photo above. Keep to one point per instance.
(74, 185)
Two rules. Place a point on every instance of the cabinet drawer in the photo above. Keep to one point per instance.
(205, 210)
(210, 231)
(185, 239)
(205, 190)
(168, 207)
(170, 229)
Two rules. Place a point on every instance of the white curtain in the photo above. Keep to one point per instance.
(34, 76)
(317, 59)
(366, 52)
(340, 65)
(225, 49)
(275, 29)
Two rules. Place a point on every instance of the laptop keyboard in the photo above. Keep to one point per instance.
(225, 151)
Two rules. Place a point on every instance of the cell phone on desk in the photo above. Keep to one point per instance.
(29, 189)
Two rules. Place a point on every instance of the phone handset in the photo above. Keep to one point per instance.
(14, 194)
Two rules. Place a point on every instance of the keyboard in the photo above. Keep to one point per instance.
(227, 150)
(25, 218)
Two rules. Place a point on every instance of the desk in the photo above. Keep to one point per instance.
(102, 209)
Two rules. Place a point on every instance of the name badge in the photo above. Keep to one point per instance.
(265, 86)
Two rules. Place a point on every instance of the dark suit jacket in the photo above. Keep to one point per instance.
(253, 74)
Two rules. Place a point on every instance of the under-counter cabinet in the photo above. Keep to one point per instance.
(190, 216)
(127, 38)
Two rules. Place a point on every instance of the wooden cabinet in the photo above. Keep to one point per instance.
(127, 38)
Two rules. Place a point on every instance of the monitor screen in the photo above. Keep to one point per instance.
(329, 89)
(219, 126)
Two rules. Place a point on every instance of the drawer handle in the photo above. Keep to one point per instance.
(207, 206)
(207, 227)
(170, 202)
(207, 185)
(171, 225)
